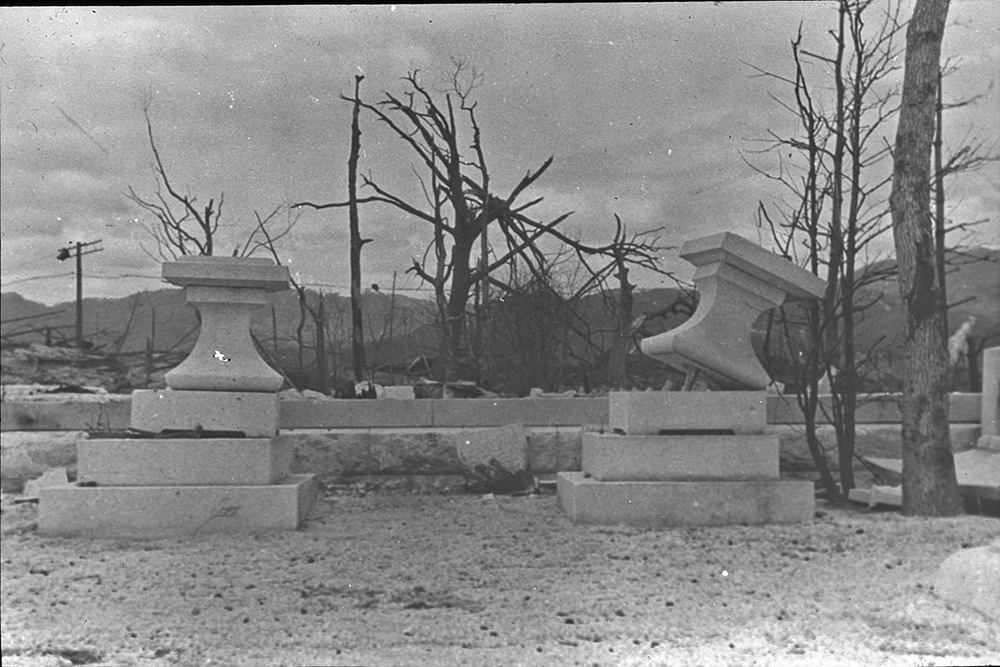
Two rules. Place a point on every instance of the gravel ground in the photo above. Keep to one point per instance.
(401, 579)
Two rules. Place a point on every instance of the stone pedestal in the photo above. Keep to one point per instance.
(723, 473)
(226, 291)
(700, 458)
(736, 282)
(200, 482)
(990, 435)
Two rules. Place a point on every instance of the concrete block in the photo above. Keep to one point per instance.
(989, 415)
(609, 457)
(336, 453)
(151, 512)
(55, 477)
(356, 413)
(494, 460)
(551, 450)
(415, 452)
(254, 413)
(681, 504)
(65, 416)
(180, 462)
(872, 440)
(399, 392)
(872, 409)
(649, 412)
(418, 451)
(971, 577)
(526, 411)
(990, 443)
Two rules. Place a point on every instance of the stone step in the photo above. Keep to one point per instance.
(152, 512)
(184, 461)
(649, 412)
(256, 414)
(680, 504)
(657, 458)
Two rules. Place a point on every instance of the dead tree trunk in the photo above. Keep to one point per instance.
(929, 484)
(319, 327)
(357, 243)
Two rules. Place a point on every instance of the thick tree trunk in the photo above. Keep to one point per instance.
(458, 298)
(929, 484)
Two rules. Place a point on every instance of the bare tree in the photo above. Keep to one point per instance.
(831, 168)
(929, 484)
(459, 203)
(357, 243)
(624, 252)
(317, 312)
(530, 339)
(181, 226)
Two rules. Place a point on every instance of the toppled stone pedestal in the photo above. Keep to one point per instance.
(699, 458)
(190, 478)
(736, 282)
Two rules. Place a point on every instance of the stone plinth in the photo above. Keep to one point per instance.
(169, 511)
(616, 458)
(682, 504)
(208, 481)
(649, 412)
(184, 462)
(686, 459)
(736, 282)
(226, 291)
(990, 422)
(255, 414)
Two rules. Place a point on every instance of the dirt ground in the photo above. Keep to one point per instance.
(393, 578)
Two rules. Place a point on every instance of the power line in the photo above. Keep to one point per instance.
(24, 280)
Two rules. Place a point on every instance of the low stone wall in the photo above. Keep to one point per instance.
(112, 413)
(378, 438)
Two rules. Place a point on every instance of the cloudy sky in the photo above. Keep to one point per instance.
(646, 109)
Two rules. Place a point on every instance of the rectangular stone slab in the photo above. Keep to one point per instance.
(747, 256)
(652, 458)
(683, 504)
(649, 412)
(152, 512)
(256, 414)
(184, 462)
(217, 271)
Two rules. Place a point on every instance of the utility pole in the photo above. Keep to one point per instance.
(64, 254)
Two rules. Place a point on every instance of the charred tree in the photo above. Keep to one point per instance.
(929, 484)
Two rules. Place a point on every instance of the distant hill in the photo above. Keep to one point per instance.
(973, 283)
(399, 329)
(126, 323)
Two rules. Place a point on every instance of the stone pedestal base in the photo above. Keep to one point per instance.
(152, 512)
(254, 414)
(682, 504)
(712, 465)
(649, 412)
(616, 458)
(184, 462)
